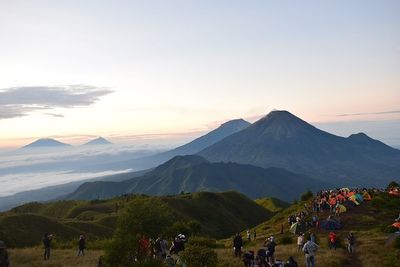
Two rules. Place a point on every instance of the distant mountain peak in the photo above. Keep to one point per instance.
(45, 143)
(235, 122)
(98, 141)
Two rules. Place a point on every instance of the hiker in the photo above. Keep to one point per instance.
(143, 248)
(291, 262)
(300, 241)
(47, 238)
(351, 242)
(309, 249)
(237, 245)
(164, 248)
(254, 235)
(81, 245)
(332, 240)
(4, 258)
(248, 258)
(271, 250)
(248, 235)
(169, 261)
(178, 244)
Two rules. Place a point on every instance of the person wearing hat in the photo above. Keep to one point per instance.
(4, 258)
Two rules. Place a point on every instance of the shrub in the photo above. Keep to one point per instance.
(199, 256)
(306, 195)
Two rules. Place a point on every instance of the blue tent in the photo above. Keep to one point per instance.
(331, 224)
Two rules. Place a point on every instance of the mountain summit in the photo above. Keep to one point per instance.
(46, 143)
(280, 139)
(98, 141)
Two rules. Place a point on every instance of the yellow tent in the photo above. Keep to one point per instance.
(366, 196)
(342, 209)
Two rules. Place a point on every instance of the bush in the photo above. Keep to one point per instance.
(199, 256)
(307, 196)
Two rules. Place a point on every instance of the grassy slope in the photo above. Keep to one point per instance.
(272, 204)
(367, 222)
(220, 214)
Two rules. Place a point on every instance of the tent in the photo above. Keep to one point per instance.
(397, 225)
(342, 209)
(331, 224)
(351, 194)
(354, 199)
(359, 198)
(349, 204)
(298, 228)
(367, 196)
(340, 197)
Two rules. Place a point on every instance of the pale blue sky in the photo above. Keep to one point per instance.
(182, 66)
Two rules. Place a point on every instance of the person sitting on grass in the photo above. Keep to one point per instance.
(291, 262)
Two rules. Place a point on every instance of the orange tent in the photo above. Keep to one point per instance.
(332, 201)
(394, 193)
(397, 225)
(340, 197)
(350, 194)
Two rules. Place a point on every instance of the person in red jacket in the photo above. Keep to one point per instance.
(332, 240)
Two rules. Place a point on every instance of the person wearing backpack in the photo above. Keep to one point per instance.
(4, 258)
(291, 262)
(271, 250)
(309, 249)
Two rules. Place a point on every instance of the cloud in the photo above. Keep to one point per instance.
(370, 113)
(54, 115)
(20, 101)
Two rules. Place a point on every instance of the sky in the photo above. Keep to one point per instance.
(146, 70)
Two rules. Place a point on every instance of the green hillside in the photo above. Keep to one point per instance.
(272, 204)
(370, 222)
(219, 214)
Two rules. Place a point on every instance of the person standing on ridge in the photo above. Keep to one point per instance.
(47, 238)
(237, 245)
(81, 245)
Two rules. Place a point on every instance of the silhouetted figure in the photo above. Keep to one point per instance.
(4, 258)
(47, 245)
(81, 245)
(237, 245)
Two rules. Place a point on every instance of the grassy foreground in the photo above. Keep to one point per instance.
(33, 257)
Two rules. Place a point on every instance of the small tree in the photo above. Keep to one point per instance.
(146, 216)
(306, 195)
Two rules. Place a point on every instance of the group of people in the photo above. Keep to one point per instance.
(47, 239)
